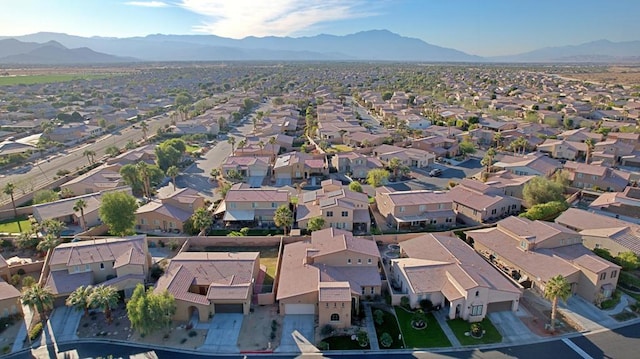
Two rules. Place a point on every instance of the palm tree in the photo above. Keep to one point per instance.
(556, 288)
(143, 172)
(255, 124)
(261, 145)
(53, 227)
(104, 298)
(497, 138)
(283, 217)
(273, 142)
(9, 188)
(202, 220)
(487, 161)
(232, 142)
(145, 128)
(38, 299)
(79, 206)
(79, 298)
(90, 155)
(48, 242)
(589, 143)
(394, 165)
(241, 144)
(173, 172)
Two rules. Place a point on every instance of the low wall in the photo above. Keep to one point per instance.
(266, 298)
(29, 196)
(33, 267)
(9, 214)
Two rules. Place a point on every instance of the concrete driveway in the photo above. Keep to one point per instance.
(298, 334)
(513, 330)
(224, 330)
(586, 314)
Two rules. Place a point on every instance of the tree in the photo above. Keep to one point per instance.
(202, 220)
(377, 177)
(519, 143)
(497, 139)
(144, 127)
(541, 190)
(90, 155)
(315, 224)
(129, 174)
(283, 217)
(27, 240)
(112, 151)
(273, 142)
(232, 142)
(79, 206)
(223, 188)
(79, 299)
(9, 189)
(38, 299)
(48, 242)
(118, 212)
(487, 160)
(148, 311)
(53, 227)
(104, 298)
(386, 96)
(173, 172)
(628, 260)
(45, 196)
(394, 165)
(466, 148)
(242, 144)
(556, 288)
(355, 186)
(169, 153)
(144, 175)
(590, 144)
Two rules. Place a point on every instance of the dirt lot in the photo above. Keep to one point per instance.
(624, 75)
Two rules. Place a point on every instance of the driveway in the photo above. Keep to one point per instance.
(513, 330)
(64, 323)
(298, 334)
(587, 315)
(224, 330)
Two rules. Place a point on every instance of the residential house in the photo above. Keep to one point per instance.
(612, 151)
(247, 166)
(145, 153)
(533, 164)
(624, 204)
(195, 126)
(415, 209)
(73, 132)
(411, 157)
(328, 276)
(101, 178)
(251, 206)
(440, 146)
(364, 139)
(476, 202)
(580, 135)
(168, 213)
(533, 252)
(119, 262)
(298, 165)
(603, 232)
(590, 176)
(339, 207)
(449, 273)
(509, 183)
(354, 164)
(563, 149)
(631, 139)
(206, 283)
(9, 295)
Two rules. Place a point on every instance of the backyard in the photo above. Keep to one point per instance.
(461, 329)
(430, 337)
(17, 225)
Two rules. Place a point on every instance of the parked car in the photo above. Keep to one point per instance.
(435, 172)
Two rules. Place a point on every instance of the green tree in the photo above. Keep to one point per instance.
(173, 172)
(129, 174)
(79, 206)
(169, 153)
(27, 240)
(112, 151)
(487, 160)
(466, 148)
(53, 227)
(394, 165)
(541, 190)
(118, 212)
(232, 142)
(556, 288)
(79, 299)
(202, 220)
(104, 298)
(45, 196)
(355, 186)
(38, 299)
(377, 177)
(9, 189)
(315, 224)
(90, 155)
(273, 142)
(47, 243)
(545, 211)
(590, 144)
(223, 188)
(628, 260)
(148, 311)
(144, 174)
(283, 217)
(386, 96)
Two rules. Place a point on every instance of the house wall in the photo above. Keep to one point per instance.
(255, 205)
(590, 284)
(131, 269)
(473, 216)
(559, 240)
(183, 311)
(583, 180)
(326, 309)
(307, 298)
(342, 258)
(607, 243)
(150, 221)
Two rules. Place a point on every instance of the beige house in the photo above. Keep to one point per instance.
(73, 132)
(98, 179)
(590, 176)
(339, 207)
(534, 164)
(145, 153)
(296, 165)
(619, 204)
(534, 251)
(415, 209)
(354, 164)
(168, 214)
(247, 166)
(9, 295)
(446, 271)
(328, 275)
(119, 262)
(604, 232)
(206, 283)
(476, 202)
(563, 149)
(411, 157)
(438, 145)
(251, 206)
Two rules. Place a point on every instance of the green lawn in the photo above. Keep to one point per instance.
(15, 226)
(431, 337)
(50, 78)
(342, 148)
(459, 327)
(343, 342)
(192, 148)
(390, 325)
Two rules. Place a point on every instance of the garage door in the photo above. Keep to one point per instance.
(499, 307)
(228, 308)
(299, 308)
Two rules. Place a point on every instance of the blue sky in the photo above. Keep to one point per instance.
(480, 27)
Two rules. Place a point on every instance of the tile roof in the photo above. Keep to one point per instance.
(239, 194)
(165, 209)
(7, 291)
(334, 292)
(101, 250)
(62, 282)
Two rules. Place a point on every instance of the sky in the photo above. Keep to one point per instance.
(478, 27)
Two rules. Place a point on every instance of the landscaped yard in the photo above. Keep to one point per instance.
(430, 337)
(343, 342)
(15, 226)
(460, 327)
(389, 325)
(192, 148)
(342, 148)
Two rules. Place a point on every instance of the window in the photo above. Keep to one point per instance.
(579, 175)
(614, 274)
(369, 261)
(359, 261)
(101, 266)
(433, 221)
(335, 317)
(143, 221)
(254, 205)
(232, 205)
(326, 305)
(440, 205)
(401, 209)
(476, 310)
(603, 276)
(494, 211)
(422, 208)
(329, 213)
(372, 290)
(348, 260)
(274, 205)
(449, 220)
(523, 244)
(477, 293)
(362, 290)
(513, 206)
(345, 214)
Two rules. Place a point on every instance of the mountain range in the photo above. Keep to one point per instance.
(373, 45)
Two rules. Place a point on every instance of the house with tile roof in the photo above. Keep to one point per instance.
(438, 145)
(328, 276)
(206, 283)
(297, 165)
(354, 164)
(144, 153)
(590, 176)
(411, 157)
(247, 166)
(600, 231)
(168, 213)
(533, 164)
(533, 252)
(449, 273)
(9, 295)
(119, 262)
(624, 204)
(563, 149)
(245, 206)
(101, 178)
(477, 202)
(415, 209)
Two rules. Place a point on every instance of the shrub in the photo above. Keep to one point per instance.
(378, 316)
(545, 211)
(419, 319)
(628, 260)
(6, 349)
(6, 244)
(244, 231)
(426, 305)
(156, 272)
(386, 340)
(404, 302)
(363, 338)
(476, 330)
(28, 282)
(35, 331)
(323, 346)
(161, 243)
(184, 340)
(15, 279)
(192, 334)
(174, 245)
(326, 330)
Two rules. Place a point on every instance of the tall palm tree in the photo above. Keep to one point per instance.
(143, 172)
(90, 155)
(487, 161)
(394, 165)
(497, 138)
(145, 128)
(556, 288)
(261, 145)
(202, 220)
(79, 206)
(173, 172)
(48, 242)
(79, 298)
(241, 144)
(232, 142)
(104, 298)
(38, 299)
(273, 142)
(589, 142)
(9, 188)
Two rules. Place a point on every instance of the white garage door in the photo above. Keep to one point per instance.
(300, 309)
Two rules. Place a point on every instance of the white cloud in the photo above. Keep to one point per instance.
(147, 3)
(241, 18)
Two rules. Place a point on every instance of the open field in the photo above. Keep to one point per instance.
(48, 78)
(623, 75)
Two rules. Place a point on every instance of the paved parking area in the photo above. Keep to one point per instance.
(224, 330)
(298, 334)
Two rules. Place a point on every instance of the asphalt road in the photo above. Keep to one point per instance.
(32, 176)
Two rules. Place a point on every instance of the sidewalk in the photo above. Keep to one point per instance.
(442, 321)
(371, 329)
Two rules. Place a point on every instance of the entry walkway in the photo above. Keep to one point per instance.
(371, 328)
(441, 317)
